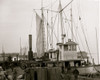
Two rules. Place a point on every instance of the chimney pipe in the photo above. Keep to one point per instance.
(30, 52)
(30, 42)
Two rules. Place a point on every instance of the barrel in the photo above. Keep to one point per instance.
(53, 73)
(40, 73)
(33, 75)
(37, 73)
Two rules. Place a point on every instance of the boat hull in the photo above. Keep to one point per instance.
(88, 69)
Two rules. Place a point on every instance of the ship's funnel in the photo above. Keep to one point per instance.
(30, 42)
(30, 52)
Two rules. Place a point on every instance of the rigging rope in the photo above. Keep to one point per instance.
(89, 51)
(78, 41)
(75, 38)
(68, 24)
(84, 35)
(66, 6)
(84, 32)
(85, 39)
(53, 27)
(78, 35)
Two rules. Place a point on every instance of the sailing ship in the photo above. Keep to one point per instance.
(65, 54)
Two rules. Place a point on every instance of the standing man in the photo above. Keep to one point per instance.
(69, 73)
(75, 73)
(14, 74)
(11, 66)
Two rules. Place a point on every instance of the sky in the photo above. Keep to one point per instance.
(17, 21)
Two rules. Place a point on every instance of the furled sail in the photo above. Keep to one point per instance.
(39, 40)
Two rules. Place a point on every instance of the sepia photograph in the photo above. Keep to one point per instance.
(49, 40)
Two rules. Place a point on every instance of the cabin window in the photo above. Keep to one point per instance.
(74, 47)
(69, 47)
(71, 64)
(60, 47)
(67, 64)
(66, 48)
(77, 63)
(55, 55)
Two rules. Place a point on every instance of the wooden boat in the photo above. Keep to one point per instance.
(67, 54)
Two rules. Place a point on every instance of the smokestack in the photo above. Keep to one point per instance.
(30, 42)
(30, 52)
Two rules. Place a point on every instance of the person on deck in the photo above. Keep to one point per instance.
(69, 74)
(11, 66)
(75, 73)
(14, 74)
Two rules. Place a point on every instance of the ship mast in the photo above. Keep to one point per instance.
(62, 34)
(97, 45)
(43, 30)
(71, 23)
(52, 27)
(3, 54)
(62, 26)
(61, 20)
(60, 12)
(20, 47)
(47, 30)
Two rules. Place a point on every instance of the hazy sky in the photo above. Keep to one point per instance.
(16, 21)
